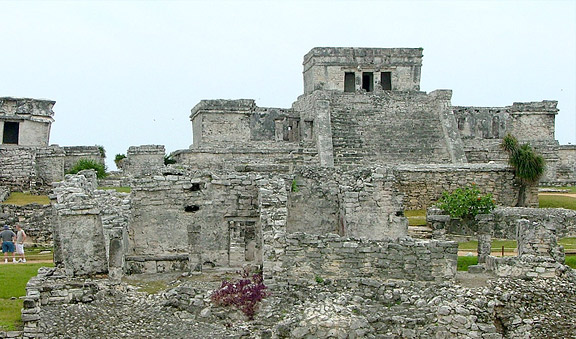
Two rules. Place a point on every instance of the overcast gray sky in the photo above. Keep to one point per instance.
(127, 73)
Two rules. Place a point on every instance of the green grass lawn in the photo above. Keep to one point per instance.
(13, 279)
(464, 262)
(19, 198)
(556, 201)
(509, 245)
(568, 243)
(123, 189)
(416, 217)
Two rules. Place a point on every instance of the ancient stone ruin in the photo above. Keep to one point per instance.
(314, 196)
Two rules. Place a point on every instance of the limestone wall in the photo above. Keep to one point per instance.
(143, 160)
(422, 185)
(36, 220)
(49, 166)
(258, 156)
(17, 166)
(309, 256)
(31, 168)
(566, 170)
(359, 203)
(169, 209)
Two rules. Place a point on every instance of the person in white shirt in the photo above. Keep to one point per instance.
(20, 237)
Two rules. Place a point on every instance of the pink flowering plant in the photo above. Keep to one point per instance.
(245, 294)
(466, 203)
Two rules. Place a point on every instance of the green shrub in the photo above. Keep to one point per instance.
(466, 203)
(294, 187)
(102, 150)
(168, 160)
(84, 164)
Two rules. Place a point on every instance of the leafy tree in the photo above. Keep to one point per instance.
(528, 165)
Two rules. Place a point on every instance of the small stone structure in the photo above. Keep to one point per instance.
(25, 121)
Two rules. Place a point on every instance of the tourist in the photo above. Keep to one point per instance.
(20, 238)
(8, 238)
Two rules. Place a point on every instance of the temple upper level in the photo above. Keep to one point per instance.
(348, 69)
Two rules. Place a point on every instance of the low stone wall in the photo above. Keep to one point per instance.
(310, 257)
(260, 156)
(423, 185)
(50, 288)
(157, 264)
(527, 266)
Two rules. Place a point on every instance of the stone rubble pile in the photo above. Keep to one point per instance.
(351, 308)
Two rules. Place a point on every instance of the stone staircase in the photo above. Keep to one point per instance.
(420, 232)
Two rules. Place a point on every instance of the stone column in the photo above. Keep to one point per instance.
(272, 204)
(484, 222)
(116, 254)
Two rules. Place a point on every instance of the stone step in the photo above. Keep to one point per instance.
(420, 232)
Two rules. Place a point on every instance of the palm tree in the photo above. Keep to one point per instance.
(528, 165)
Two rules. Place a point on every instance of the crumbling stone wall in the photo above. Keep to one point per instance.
(422, 185)
(166, 208)
(359, 203)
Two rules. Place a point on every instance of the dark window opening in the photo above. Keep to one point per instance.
(192, 209)
(368, 81)
(11, 132)
(195, 187)
(386, 80)
(349, 82)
